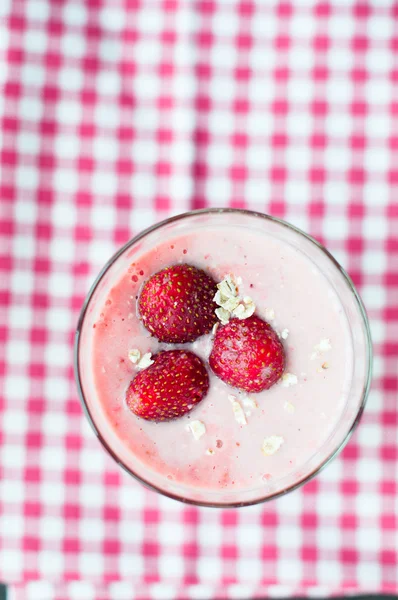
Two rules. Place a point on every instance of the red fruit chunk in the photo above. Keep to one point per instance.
(169, 388)
(176, 304)
(248, 354)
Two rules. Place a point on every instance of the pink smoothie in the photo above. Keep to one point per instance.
(282, 281)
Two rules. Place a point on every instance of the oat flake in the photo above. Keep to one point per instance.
(323, 346)
(223, 315)
(230, 303)
(269, 314)
(249, 404)
(215, 327)
(289, 379)
(272, 444)
(134, 355)
(245, 309)
(289, 407)
(146, 361)
(197, 429)
(237, 410)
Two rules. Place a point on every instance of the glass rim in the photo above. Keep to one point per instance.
(368, 366)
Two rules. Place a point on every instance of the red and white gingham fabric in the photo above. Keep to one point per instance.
(115, 114)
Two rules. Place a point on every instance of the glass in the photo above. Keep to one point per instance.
(337, 278)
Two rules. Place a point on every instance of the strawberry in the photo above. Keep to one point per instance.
(248, 354)
(176, 304)
(169, 388)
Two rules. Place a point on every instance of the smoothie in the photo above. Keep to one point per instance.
(232, 441)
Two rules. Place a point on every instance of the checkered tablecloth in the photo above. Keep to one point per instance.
(115, 114)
